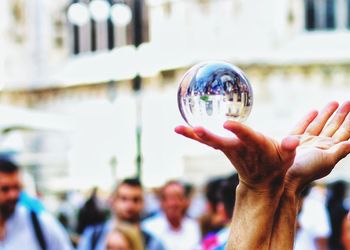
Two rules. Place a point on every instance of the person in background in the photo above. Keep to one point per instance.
(337, 212)
(22, 226)
(171, 225)
(345, 233)
(313, 221)
(124, 237)
(226, 195)
(212, 221)
(32, 203)
(189, 192)
(91, 213)
(126, 205)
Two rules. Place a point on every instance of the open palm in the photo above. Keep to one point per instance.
(323, 143)
(260, 161)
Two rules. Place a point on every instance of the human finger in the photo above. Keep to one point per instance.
(214, 140)
(320, 121)
(339, 151)
(245, 134)
(304, 123)
(187, 132)
(288, 147)
(332, 127)
(290, 143)
(343, 133)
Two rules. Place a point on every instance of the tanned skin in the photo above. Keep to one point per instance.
(272, 174)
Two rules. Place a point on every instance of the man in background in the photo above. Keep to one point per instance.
(22, 227)
(337, 211)
(313, 221)
(126, 205)
(171, 225)
(226, 196)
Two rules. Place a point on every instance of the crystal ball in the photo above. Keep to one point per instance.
(213, 92)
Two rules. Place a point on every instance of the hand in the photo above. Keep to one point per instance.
(323, 143)
(261, 162)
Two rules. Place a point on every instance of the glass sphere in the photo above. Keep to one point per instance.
(213, 92)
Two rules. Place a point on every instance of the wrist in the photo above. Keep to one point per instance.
(293, 186)
(258, 205)
(290, 198)
(292, 195)
(283, 232)
(261, 199)
(264, 191)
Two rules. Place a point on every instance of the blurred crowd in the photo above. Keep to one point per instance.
(176, 216)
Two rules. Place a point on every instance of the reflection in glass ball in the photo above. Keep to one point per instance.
(213, 92)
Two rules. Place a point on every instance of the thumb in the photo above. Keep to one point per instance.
(339, 151)
(289, 145)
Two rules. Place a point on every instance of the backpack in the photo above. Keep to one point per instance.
(38, 230)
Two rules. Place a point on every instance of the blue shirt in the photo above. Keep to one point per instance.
(85, 242)
(20, 232)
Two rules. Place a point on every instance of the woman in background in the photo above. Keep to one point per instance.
(124, 237)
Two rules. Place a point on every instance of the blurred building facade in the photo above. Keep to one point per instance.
(296, 54)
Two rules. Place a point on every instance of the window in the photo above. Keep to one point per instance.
(327, 14)
(94, 28)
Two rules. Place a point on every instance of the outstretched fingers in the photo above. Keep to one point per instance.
(304, 123)
(343, 133)
(187, 132)
(214, 141)
(320, 121)
(204, 136)
(245, 134)
(342, 115)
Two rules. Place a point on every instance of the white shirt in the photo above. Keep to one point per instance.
(314, 222)
(20, 234)
(186, 238)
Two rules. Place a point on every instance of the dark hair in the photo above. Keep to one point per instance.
(212, 191)
(337, 190)
(7, 166)
(189, 189)
(135, 182)
(228, 193)
(337, 211)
